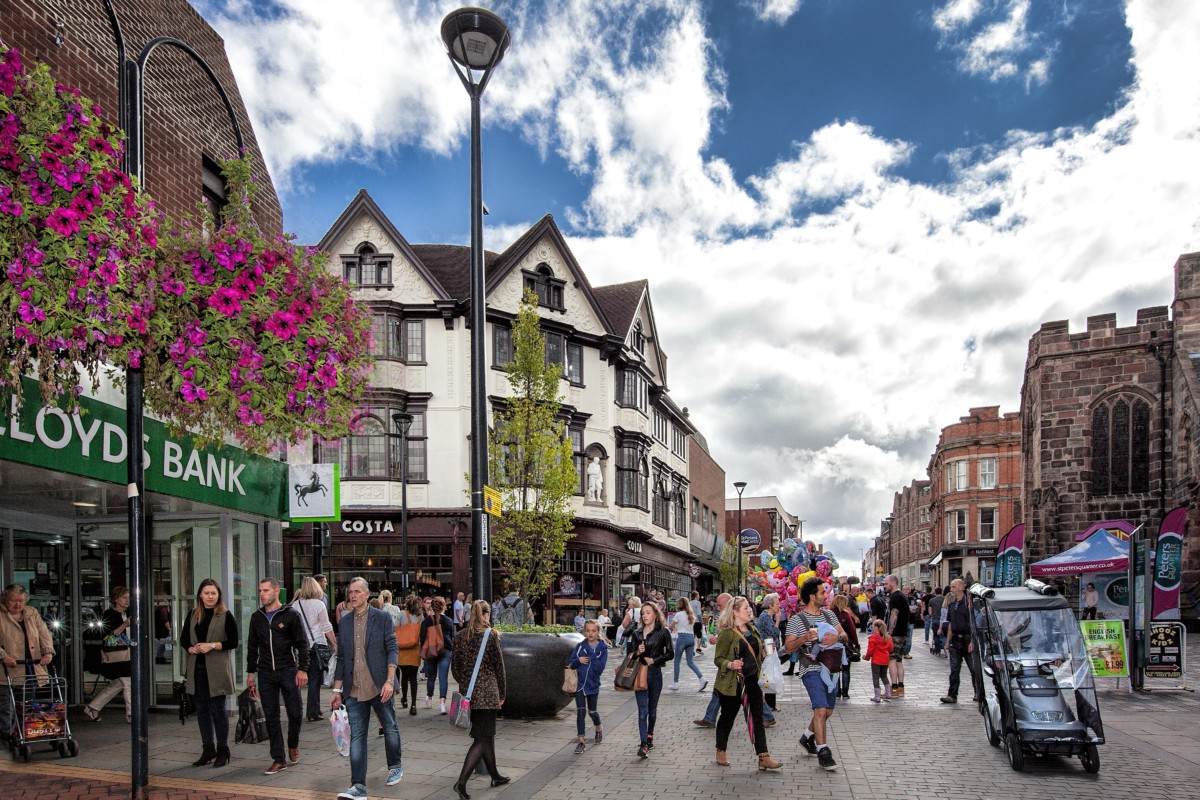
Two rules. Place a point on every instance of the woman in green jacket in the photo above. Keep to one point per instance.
(739, 654)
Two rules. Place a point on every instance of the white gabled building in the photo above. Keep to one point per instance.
(631, 535)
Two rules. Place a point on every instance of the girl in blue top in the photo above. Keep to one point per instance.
(589, 658)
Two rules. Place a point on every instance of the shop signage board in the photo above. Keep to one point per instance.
(1105, 643)
(93, 444)
(314, 492)
(749, 540)
(1168, 653)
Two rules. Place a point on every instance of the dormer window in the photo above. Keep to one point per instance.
(367, 267)
(639, 338)
(549, 289)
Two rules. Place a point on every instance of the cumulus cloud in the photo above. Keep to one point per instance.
(777, 11)
(825, 317)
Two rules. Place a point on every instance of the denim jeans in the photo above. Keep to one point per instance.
(714, 705)
(315, 676)
(585, 705)
(685, 647)
(359, 713)
(441, 671)
(647, 702)
(908, 644)
(271, 684)
(939, 641)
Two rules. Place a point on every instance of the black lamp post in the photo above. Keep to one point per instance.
(741, 487)
(403, 421)
(475, 41)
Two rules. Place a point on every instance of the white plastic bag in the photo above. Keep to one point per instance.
(339, 720)
(330, 670)
(770, 677)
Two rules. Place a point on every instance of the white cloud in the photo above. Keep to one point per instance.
(817, 314)
(777, 11)
(997, 46)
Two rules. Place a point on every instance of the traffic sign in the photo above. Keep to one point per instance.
(491, 501)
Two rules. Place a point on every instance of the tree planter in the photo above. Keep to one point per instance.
(533, 668)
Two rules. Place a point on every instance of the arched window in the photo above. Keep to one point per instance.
(367, 267)
(1120, 446)
(549, 290)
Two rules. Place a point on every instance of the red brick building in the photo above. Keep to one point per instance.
(910, 538)
(707, 530)
(974, 493)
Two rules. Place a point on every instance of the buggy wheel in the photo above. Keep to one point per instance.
(1091, 759)
(62, 749)
(73, 748)
(993, 736)
(1016, 758)
(26, 753)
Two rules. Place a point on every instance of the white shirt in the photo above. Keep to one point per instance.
(458, 612)
(680, 622)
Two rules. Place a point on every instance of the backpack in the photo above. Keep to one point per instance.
(435, 643)
(508, 613)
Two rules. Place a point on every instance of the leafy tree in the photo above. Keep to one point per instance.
(531, 462)
(728, 570)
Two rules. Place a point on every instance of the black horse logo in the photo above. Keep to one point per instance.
(312, 487)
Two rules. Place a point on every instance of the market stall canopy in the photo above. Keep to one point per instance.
(1118, 527)
(1100, 552)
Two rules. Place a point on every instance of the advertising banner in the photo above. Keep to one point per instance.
(1010, 563)
(1105, 642)
(1168, 564)
(1113, 588)
(315, 493)
(1166, 656)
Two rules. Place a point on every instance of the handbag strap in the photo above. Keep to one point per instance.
(311, 639)
(478, 660)
(757, 660)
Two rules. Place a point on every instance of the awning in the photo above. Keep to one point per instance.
(1101, 552)
(933, 562)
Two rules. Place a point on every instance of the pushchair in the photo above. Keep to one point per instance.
(39, 715)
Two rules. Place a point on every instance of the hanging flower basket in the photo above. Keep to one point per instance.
(77, 240)
(256, 337)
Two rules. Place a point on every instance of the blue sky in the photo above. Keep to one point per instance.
(867, 206)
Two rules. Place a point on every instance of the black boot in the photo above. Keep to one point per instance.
(205, 758)
(222, 757)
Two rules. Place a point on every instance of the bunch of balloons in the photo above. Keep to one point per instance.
(785, 571)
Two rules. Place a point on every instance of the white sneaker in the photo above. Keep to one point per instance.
(674, 687)
(429, 702)
(703, 686)
(441, 708)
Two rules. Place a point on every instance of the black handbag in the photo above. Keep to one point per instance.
(855, 652)
(322, 653)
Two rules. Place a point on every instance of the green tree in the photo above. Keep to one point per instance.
(531, 463)
(728, 570)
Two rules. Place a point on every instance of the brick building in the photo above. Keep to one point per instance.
(708, 529)
(911, 539)
(974, 493)
(1109, 424)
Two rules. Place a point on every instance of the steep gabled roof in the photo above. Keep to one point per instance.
(363, 204)
(620, 302)
(451, 263)
(511, 257)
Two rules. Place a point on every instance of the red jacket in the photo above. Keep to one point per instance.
(879, 651)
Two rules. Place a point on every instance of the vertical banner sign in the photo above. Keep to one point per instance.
(1105, 643)
(314, 493)
(1010, 563)
(1168, 564)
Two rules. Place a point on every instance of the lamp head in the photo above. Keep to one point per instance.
(740, 486)
(402, 420)
(475, 37)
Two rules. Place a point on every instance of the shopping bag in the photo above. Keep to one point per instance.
(770, 676)
(339, 721)
(626, 674)
(460, 711)
(570, 680)
(252, 720)
(641, 681)
(332, 668)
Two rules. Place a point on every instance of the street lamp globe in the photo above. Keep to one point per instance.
(475, 37)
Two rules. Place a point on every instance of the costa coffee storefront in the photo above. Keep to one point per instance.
(369, 544)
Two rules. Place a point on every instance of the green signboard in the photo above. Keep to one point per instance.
(1105, 642)
(93, 444)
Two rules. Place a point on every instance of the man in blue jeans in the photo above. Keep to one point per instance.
(801, 634)
(363, 680)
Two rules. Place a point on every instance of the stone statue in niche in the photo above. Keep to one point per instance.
(595, 480)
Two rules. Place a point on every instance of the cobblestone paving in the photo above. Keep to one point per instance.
(912, 748)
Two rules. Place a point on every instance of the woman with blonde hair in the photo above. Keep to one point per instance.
(115, 621)
(632, 619)
(682, 624)
(738, 657)
(652, 643)
(488, 696)
(310, 602)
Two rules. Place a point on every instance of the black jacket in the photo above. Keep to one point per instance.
(658, 645)
(277, 643)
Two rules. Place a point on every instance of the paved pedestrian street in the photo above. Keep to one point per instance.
(915, 747)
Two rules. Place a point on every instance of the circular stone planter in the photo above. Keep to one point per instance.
(533, 670)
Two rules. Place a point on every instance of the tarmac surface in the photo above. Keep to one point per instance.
(915, 747)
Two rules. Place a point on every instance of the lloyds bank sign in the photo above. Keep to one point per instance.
(93, 444)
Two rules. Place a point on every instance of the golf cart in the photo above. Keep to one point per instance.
(1039, 694)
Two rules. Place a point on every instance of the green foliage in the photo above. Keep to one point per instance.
(728, 570)
(531, 463)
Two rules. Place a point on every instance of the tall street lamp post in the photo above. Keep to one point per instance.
(402, 422)
(475, 41)
(741, 487)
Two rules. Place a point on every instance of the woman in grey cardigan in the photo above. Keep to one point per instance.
(208, 635)
(488, 697)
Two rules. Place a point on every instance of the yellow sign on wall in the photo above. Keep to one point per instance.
(491, 501)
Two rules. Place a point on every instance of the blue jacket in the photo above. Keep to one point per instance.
(381, 648)
(589, 673)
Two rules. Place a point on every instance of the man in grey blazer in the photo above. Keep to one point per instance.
(363, 680)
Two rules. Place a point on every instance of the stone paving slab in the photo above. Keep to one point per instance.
(1152, 740)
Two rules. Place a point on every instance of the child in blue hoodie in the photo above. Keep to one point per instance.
(589, 658)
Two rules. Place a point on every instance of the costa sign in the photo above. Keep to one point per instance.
(366, 526)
